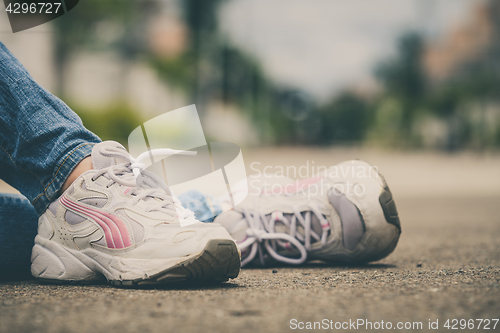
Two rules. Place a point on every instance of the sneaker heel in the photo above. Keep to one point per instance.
(51, 262)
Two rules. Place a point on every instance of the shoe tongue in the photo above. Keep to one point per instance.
(315, 225)
(100, 161)
(238, 229)
(238, 232)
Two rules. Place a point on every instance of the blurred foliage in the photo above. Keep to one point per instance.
(346, 119)
(403, 77)
(457, 106)
(114, 122)
(410, 110)
(178, 71)
(101, 24)
(201, 17)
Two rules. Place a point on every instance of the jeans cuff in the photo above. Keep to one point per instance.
(70, 161)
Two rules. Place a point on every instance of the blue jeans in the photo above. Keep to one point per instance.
(41, 139)
(205, 207)
(18, 224)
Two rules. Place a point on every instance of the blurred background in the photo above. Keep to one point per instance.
(386, 73)
(411, 86)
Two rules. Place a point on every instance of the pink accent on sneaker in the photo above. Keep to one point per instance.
(115, 231)
(238, 242)
(293, 188)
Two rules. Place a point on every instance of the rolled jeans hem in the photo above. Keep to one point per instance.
(69, 162)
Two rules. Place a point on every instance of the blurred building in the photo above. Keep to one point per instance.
(95, 79)
(167, 32)
(466, 43)
(467, 61)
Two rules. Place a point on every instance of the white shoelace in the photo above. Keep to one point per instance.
(147, 186)
(261, 233)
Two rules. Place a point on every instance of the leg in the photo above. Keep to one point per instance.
(18, 221)
(105, 223)
(43, 147)
(41, 139)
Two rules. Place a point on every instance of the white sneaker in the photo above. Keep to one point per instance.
(107, 225)
(345, 214)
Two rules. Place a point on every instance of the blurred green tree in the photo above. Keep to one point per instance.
(201, 16)
(404, 77)
(345, 119)
(114, 122)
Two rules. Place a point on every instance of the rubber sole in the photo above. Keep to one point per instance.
(392, 217)
(389, 206)
(219, 261)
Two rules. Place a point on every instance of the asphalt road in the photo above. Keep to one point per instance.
(446, 266)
